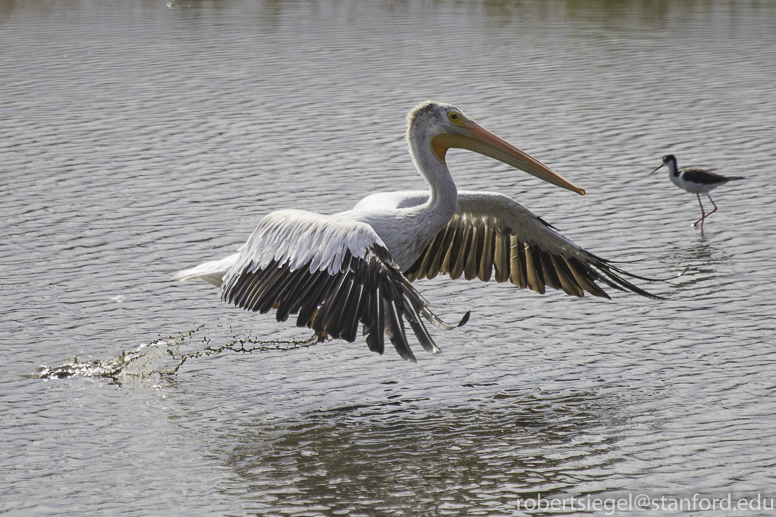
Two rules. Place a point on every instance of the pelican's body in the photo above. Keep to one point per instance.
(696, 181)
(336, 271)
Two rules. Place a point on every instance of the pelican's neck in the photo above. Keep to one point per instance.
(443, 197)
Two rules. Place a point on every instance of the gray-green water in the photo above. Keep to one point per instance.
(139, 138)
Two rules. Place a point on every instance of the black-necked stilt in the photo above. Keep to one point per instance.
(697, 181)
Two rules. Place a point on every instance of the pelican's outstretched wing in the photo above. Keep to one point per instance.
(334, 273)
(494, 232)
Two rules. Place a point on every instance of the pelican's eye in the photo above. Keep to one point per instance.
(457, 119)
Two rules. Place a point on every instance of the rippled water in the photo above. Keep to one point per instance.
(139, 138)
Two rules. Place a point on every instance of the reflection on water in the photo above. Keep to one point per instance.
(612, 14)
(701, 257)
(409, 457)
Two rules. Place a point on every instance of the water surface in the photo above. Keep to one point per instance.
(139, 138)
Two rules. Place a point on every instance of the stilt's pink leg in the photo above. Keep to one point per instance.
(703, 213)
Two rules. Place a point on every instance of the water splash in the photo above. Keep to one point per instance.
(149, 358)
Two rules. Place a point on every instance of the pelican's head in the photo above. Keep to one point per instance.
(669, 160)
(444, 127)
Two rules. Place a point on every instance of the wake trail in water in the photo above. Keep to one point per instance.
(164, 357)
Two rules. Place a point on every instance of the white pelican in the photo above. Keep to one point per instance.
(336, 271)
(696, 181)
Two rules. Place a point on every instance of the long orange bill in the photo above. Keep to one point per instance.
(482, 141)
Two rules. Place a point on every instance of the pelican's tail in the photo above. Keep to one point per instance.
(212, 271)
